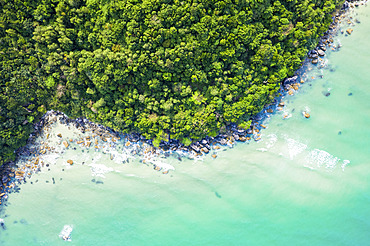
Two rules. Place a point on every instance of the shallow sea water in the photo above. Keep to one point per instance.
(307, 182)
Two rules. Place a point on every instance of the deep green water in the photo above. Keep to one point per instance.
(307, 182)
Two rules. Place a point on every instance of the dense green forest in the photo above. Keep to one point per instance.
(163, 68)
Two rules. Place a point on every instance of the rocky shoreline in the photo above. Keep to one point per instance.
(97, 137)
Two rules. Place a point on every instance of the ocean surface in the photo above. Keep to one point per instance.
(306, 182)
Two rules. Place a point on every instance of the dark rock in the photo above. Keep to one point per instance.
(345, 5)
(2, 224)
(313, 56)
(327, 94)
(322, 47)
(195, 148)
(290, 80)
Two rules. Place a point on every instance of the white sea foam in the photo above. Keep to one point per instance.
(319, 158)
(162, 165)
(65, 234)
(294, 147)
(271, 140)
(345, 163)
(98, 170)
(262, 149)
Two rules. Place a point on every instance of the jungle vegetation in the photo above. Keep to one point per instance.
(162, 68)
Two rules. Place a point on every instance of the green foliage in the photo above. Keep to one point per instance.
(178, 69)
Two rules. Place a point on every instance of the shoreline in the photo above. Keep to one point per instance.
(11, 176)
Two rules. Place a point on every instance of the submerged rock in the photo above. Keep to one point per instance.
(218, 195)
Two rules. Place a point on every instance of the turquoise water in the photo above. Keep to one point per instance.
(307, 182)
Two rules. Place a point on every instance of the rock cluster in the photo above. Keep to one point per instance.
(326, 40)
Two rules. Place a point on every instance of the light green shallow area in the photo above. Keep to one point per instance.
(307, 182)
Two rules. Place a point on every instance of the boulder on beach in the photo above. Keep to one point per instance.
(349, 31)
(322, 47)
(70, 162)
(65, 144)
(306, 115)
(205, 150)
(19, 173)
(321, 52)
(242, 139)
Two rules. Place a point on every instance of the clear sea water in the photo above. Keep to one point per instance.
(307, 182)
